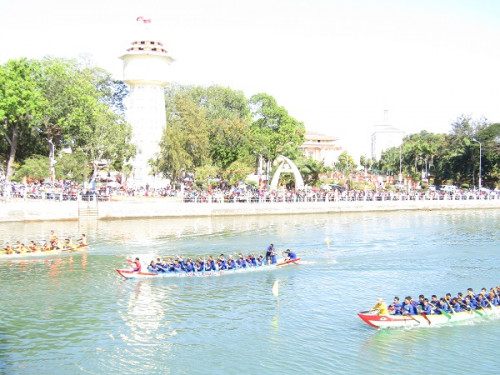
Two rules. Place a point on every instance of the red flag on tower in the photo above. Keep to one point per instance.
(143, 20)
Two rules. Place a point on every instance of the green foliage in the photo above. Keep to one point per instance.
(274, 130)
(73, 166)
(311, 170)
(36, 167)
(237, 171)
(346, 163)
(204, 175)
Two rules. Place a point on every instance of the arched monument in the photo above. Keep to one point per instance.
(286, 165)
(145, 69)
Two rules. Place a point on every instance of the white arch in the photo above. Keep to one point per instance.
(287, 165)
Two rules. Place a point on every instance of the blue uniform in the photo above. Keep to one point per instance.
(241, 263)
(409, 309)
(189, 267)
(427, 309)
(274, 259)
(231, 264)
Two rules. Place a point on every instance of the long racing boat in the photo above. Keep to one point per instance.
(131, 274)
(425, 320)
(40, 253)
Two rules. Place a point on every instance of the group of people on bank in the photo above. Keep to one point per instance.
(448, 304)
(54, 243)
(179, 264)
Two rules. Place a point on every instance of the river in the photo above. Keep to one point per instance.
(74, 314)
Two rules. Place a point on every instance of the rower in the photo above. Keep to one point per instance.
(211, 264)
(396, 307)
(45, 246)
(426, 308)
(32, 247)
(241, 262)
(53, 239)
(189, 266)
(381, 307)
(269, 252)
(160, 266)
(274, 257)
(409, 307)
(136, 265)
(152, 267)
(260, 260)
(83, 240)
(8, 249)
(290, 255)
(69, 244)
(231, 264)
(222, 263)
(455, 305)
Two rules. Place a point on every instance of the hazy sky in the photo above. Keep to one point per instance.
(334, 65)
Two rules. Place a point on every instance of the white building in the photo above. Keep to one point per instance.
(385, 137)
(145, 69)
(321, 147)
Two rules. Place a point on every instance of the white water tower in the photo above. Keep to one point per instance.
(145, 70)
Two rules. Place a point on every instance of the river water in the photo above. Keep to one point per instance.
(75, 315)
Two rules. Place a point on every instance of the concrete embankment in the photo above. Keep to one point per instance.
(30, 210)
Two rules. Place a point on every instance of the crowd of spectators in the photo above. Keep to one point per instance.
(67, 190)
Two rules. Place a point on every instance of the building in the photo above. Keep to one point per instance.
(384, 137)
(145, 69)
(321, 147)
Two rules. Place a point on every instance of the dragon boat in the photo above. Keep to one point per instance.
(426, 320)
(40, 253)
(131, 274)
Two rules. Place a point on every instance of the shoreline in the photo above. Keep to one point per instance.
(28, 211)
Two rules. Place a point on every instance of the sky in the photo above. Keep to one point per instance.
(335, 65)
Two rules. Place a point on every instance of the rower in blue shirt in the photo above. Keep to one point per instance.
(152, 267)
(231, 264)
(395, 308)
(409, 308)
(189, 266)
(290, 255)
(241, 261)
(260, 260)
(269, 253)
(455, 305)
(426, 308)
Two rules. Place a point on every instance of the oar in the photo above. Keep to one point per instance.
(411, 317)
(425, 316)
(451, 308)
(470, 309)
(442, 311)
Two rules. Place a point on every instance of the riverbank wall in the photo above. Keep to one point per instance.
(34, 210)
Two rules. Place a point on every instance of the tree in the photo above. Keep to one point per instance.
(345, 163)
(185, 142)
(36, 166)
(273, 128)
(19, 101)
(311, 170)
(108, 142)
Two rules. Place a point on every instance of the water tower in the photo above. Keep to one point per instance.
(145, 69)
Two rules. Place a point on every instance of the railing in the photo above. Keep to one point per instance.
(327, 198)
(256, 198)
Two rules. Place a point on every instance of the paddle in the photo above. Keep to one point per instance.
(411, 317)
(470, 309)
(441, 310)
(451, 308)
(425, 316)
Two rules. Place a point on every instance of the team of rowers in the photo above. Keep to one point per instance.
(52, 244)
(444, 305)
(221, 263)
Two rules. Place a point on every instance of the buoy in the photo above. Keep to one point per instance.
(275, 288)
